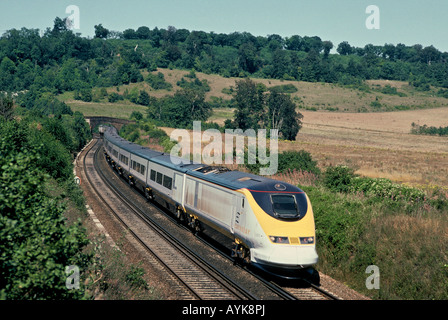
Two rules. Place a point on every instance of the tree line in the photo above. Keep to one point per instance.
(61, 60)
(429, 130)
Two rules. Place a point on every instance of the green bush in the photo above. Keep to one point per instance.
(114, 97)
(386, 189)
(299, 160)
(339, 178)
(339, 223)
(287, 161)
(134, 136)
(343, 179)
(284, 88)
(157, 82)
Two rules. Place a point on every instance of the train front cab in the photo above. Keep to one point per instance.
(287, 225)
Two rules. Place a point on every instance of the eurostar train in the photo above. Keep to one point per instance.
(271, 223)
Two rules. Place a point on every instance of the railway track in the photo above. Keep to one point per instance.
(200, 280)
(187, 269)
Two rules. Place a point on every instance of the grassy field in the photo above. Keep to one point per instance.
(375, 144)
(324, 96)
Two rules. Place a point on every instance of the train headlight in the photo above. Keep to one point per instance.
(306, 240)
(282, 240)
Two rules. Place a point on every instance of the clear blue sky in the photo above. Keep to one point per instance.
(401, 21)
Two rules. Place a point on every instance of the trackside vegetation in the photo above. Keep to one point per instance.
(43, 228)
(364, 221)
(36, 183)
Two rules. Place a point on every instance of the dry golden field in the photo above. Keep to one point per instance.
(378, 144)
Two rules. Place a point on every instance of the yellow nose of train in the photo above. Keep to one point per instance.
(285, 235)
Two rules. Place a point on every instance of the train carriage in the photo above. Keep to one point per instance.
(270, 222)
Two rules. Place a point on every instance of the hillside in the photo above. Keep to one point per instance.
(313, 96)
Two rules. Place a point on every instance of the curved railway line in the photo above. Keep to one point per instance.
(189, 268)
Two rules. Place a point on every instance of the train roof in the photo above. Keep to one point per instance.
(215, 174)
(111, 134)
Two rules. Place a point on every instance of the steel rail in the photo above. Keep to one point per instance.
(225, 282)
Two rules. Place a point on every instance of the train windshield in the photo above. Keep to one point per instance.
(284, 206)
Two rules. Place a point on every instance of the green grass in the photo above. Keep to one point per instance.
(115, 110)
(122, 109)
(221, 113)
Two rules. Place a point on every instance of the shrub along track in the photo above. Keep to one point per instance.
(213, 277)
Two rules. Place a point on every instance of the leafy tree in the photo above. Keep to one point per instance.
(172, 52)
(114, 97)
(294, 43)
(157, 81)
(280, 63)
(143, 32)
(344, 48)
(180, 110)
(327, 46)
(143, 98)
(81, 130)
(195, 42)
(136, 115)
(312, 43)
(275, 42)
(55, 127)
(248, 59)
(249, 102)
(86, 94)
(101, 32)
(312, 68)
(6, 107)
(7, 71)
(194, 102)
(130, 34)
(59, 26)
(283, 116)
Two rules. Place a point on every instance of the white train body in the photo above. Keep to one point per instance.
(271, 222)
